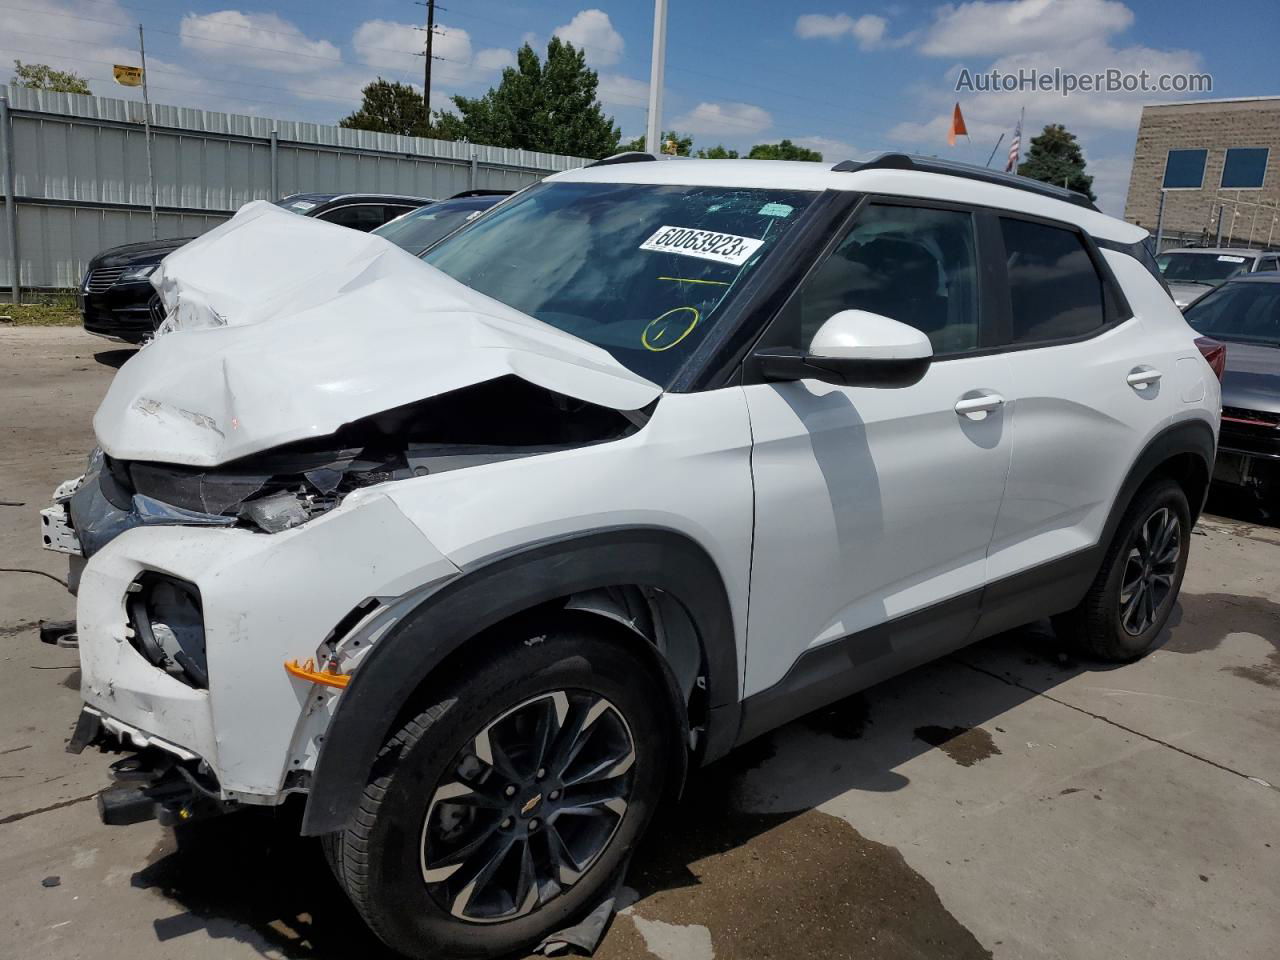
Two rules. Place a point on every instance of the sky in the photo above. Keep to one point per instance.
(847, 79)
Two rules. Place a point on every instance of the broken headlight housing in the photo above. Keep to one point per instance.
(166, 626)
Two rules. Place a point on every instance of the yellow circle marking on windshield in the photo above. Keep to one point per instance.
(656, 333)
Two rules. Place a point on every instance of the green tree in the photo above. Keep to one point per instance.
(683, 143)
(549, 106)
(718, 152)
(389, 107)
(41, 76)
(1055, 158)
(786, 150)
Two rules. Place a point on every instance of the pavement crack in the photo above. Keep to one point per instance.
(15, 817)
(1118, 725)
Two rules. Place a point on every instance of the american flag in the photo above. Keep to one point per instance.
(1014, 148)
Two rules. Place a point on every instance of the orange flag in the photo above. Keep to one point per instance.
(957, 126)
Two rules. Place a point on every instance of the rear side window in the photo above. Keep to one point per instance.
(1055, 289)
(363, 216)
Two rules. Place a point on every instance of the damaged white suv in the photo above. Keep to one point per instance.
(481, 554)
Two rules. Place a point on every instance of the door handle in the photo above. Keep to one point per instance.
(1142, 377)
(977, 408)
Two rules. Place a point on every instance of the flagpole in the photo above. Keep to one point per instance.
(994, 149)
(146, 123)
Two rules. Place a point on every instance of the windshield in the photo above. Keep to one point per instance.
(640, 270)
(420, 228)
(1210, 268)
(1245, 312)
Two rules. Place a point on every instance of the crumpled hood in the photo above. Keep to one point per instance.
(282, 327)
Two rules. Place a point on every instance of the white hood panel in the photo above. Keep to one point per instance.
(281, 327)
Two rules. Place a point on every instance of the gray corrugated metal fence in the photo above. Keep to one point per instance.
(78, 171)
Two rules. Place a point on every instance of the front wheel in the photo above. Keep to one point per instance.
(503, 810)
(1135, 590)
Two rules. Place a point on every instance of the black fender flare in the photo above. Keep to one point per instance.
(489, 592)
(1187, 437)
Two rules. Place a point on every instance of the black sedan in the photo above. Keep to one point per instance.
(1245, 313)
(116, 297)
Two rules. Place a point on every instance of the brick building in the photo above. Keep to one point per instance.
(1212, 159)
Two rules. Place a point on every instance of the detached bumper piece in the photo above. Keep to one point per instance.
(153, 785)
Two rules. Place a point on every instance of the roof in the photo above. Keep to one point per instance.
(816, 176)
(1188, 103)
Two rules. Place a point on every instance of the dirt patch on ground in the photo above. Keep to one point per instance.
(1264, 674)
(781, 886)
(965, 745)
(1213, 617)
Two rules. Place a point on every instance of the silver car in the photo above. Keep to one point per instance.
(1194, 271)
(1245, 313)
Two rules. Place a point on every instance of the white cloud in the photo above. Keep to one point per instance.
(260, 40)
(494, 58)
(832, 150)
(592, 32)
(868, 30)
(1005, 26)
(615, 90)
(724, 119)
(395, 50)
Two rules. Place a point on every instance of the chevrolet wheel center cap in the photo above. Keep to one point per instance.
(530, 805)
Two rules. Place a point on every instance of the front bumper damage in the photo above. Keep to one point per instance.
(249, 735)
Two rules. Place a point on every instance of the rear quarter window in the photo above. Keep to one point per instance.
(1055, 290)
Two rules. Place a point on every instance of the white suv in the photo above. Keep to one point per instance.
(482, 554)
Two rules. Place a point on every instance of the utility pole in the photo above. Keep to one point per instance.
(657, 66)
(146, 125)
(426, 69)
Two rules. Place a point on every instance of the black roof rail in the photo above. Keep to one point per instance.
(481, 192)
(630, 156)
(950, 168)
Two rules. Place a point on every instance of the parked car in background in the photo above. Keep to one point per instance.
(419, 229)
(117, 300)
(1245, 313)
(1194, 271)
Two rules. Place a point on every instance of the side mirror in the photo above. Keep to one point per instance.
(854, 348)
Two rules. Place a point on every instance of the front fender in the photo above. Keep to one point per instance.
(488, 592)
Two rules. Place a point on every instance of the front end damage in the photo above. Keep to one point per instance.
(235, 531)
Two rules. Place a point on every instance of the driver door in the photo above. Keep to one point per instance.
(875, 507)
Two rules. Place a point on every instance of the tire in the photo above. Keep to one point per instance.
(431, 797)
(1112, 623)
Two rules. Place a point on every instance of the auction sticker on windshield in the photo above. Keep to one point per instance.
(705, 244)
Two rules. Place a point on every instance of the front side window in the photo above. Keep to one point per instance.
(912, 264)
(1184, 169)
(1209, 269)
(1269, 263)
(640, 270)
(1246, 312)
(1054, 288)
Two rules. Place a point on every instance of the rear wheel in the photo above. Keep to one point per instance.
(1135, 590)
(504, 809)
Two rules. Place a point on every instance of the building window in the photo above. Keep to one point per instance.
(1184, 169)
(1245, 168)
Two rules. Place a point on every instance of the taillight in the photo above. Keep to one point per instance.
(1214, 353)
